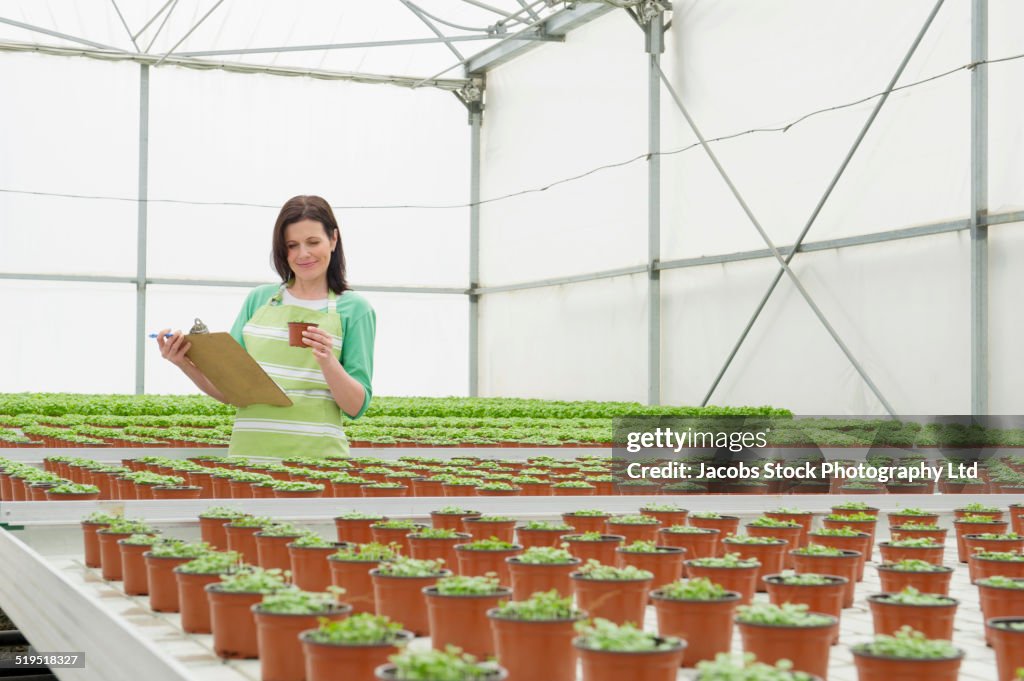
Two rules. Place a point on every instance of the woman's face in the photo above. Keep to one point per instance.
(309, 249)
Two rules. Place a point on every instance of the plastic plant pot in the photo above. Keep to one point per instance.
(1000, 601)
(807, 647)
(791, 535)
(726, 525)
(401, 599)
(982, 568)
(273, 551)
(585, 523)
(964, 528)
(325, 660)
(666, 564)
(530, 578)
(772, 557)
(193, 602)
(934, 621)
(706, 626)
(277, 636)
(438, 547)
(485, 529)
(894, 554)
(602, 550)
(110, 554)
(616, 600)
(133, 569)
(806, 521)
(932, 582)
(697, 545)
(530, 538)
(476, 562)
(896, 519)
(860, 543)
(742, 580)
(396, 535)
(824, 598)
(632, 532)
(163, 585)
(242, 538)
(232, 622)
(355, 530)
(450, 521)
(462, 621)
(211, 531)
(900, 532)
(866, 526)
(844, 565)
(884, 668)
(607, 665)
(1007, 643)
(310, 570)
(535, 649)
(92, 542)
(354, 577)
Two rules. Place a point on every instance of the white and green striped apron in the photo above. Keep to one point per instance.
(312, 426)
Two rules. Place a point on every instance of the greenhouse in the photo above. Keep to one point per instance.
(639, 338)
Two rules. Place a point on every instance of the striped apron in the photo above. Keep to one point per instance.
(312, 426)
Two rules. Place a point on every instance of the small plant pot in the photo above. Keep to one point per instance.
(557, 491)
(835, 510)
(514, 492)
(163, 585)
(301, 493)
(807, 648)
(894, 554)
(702, 545)
(69, 496)
(791, 535)
(982, 568)
(530, 578)
(324, 661)
(371, 491)
(726, 525)
(531, 538)
(389, 672)
(959, 513)
(243, 540)
(193, 602)
(824, 598)
(865, 526)
(346, 490)
(894, 581)
(666, 564)
(211, 531)
(232, 622)
(310, 570)
(617, 600)
(806, 521)
(771, 556)
(884, 668)
(607, 665)
(962, 529)
(187, 492)
(742, 580)
(844, 566)
(273, 551)
(355, 530)
(395, 535)
(997, 601)
(92, 543)
(938, 534)
(602, 551)
(897, 519)
(934, 621)
(278, 638)
(401, 599)
(632, 532)
(585, 523)
(462, 621)
(1007, 644)
(354, 577)
(450, 521)
(531, 650)
(860, 543)
(133, 569)
(240, 489)
(667, 518)
(110, 554)
(480, 529)
(478, 563)
(706, 626)
(459, 490)
(431, 548)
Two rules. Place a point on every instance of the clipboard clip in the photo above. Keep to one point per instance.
(199, 327)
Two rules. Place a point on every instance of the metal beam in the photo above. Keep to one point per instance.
(343, 46)
(125, 24)
(475, 122)
(655, 35)
(421, 15)
(557, 25)
(62, 36)
(143, 226)
(190, 31)
(561, 281)
(979, 208)
(160, 28)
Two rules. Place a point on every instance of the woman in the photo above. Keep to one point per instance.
(331, 374)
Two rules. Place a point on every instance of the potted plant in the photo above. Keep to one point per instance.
(699, 612)
(931, 614)
(451, 517)
(769, 552)
(428, 665)
(1000, 597)
(727, 667)
(498, 488)
(354, 527)
(90, 525)
(133, 565)
(297, 489)
(110, 551)
(977, 508)
(615, 594)
(70, 491)
(212, 522)
(192, 578)
(310, 569)
(710, 520)
(385, 489)
(820, 593)
(847, 539)
(541, 533)
(861, 522)
(827, 560)
(633, 528)
(854, 508)
(912, 515)
(161, 559)
(664, 562)
(974, 524)
(241, 536)
(789, 530)
(788, 631)
(593, 546)
(918, 530)
(1007, 637)
(347, 486)
(925, 577)
(488, 526)
(586, 520)
(457, 608)
(484, 556)
(350, 569)
(357, 644)
(924, 548)
(433, 542)
(610, 652)
(991, 563)
(667, 515)
(231, 618)
(730, 570)
(396, 532)
(272, 545)
(698, 542)
(796, 515)
(533, 636)
(280, 618)
(907, 655)
(541, 569)
(398, 590)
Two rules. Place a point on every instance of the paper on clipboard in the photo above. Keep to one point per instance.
(233, 371)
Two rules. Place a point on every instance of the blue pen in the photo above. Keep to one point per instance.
(166, 335)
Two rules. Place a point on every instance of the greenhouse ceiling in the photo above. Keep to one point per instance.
(413, 43)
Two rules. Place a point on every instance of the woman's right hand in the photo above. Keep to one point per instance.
(173, 349)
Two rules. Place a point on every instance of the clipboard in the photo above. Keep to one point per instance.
(233, 371)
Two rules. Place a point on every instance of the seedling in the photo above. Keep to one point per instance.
(604, 635)
(698, 589)
(541, 606)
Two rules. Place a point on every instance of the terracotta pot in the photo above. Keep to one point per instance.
(934, 621)
(860, 543)
(83, 496)
(1007, 644)
(324, 661)
(401, 599)
(232, 622)
(193, 602)
(806, 521)
(110, 554)
(503, 530)
(667, 518)
(604, 665)
(459, 490)
(726, 525)
(310, 570)
(824, 598)
(531, 538)
(479, 563)
(92, 543)
(666, 564)
(243, 540)
(212, 531)
(204, 481)
(997, 601)
(742, 580)
(355, 530)
(835, 510)
(632, 532)
(704, 545)
(962, 528)
(618, 600)
(894, 581)
(347, 490)
(221, 487)
(432, 548)
(806, 647)
(706, 626)
(845, 566)
(981, 568)
(161, 492)
(771, 557)
(897, 519)
(866, 526)
(371, 491)
(938, 534)
(894, 554)
(531, 650)
(529, 578)
(539, 489)
(879, 668)
(602, 551)
(1017, 518)
(585, 523)
(163, 585)
(273, 551)
(450, 521)
(462, 621)
(354, 577)
(240, 489)
(400, 536)
(133, 568)
(277, 636)
(791, 535)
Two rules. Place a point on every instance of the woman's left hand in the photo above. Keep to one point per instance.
(319, 342)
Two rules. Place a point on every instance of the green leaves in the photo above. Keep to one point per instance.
(541, 606)
(785, 615)
(254, 580)
(698, 589)
(595, 570)
(911, 596)
(545, 555)
(729, 560)
(604, 635)
(411, 567)
(295, 602)
(908, 644)
(492, 544)
(727, 667)
(213, 563)
(372, 552)
(913, 565)
(358, 630)
(435, 665)
(461, 585)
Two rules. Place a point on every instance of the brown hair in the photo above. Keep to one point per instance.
(309, 208)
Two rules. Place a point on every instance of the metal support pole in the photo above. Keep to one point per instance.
(655, 46)
(140, 257)
(475, 121)
(979, 209)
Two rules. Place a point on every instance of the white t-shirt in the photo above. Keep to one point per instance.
(318, 305)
